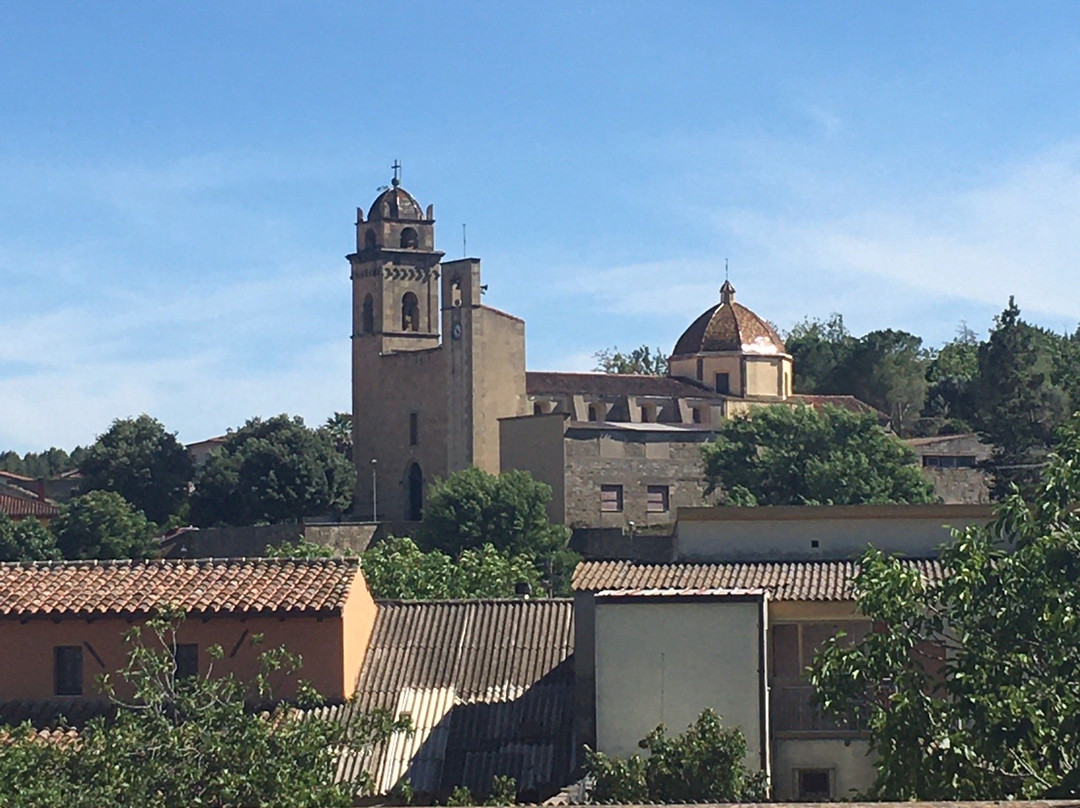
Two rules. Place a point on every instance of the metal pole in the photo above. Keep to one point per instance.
(374, 492)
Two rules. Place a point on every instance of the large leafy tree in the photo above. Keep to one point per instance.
(887, 369)
(802, 456)
(703, 764)
(819, 350)
(277, 470)
(179, 742)
(970, 687)
(49, 463)
(950, 396)
(471, 508)
(398, 569)
(102, 524)
(1019, 406)
(641, 360)
(138, 459)
(26, 540)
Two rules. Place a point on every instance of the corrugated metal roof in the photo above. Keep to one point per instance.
(488, 685)
(797, 580)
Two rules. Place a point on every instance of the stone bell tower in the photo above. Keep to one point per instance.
(398, 381)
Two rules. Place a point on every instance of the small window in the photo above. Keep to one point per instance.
(646, 414)
(611, 499)
(967, 462)
(813, 785)
(538, 408)
(700, 369)
(723, 384)
(409, 240)
(369, 239)
(593, 415)
(414, 428)
(696, 413)
(931, 461)
(187, 660)
(67, 670)
(657, 499)
(368, 316)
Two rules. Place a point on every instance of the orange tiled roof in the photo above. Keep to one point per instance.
(206, 586)
(794, 580)
(20, 507)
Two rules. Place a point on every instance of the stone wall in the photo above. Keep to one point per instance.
(252, 541)
(635, 460)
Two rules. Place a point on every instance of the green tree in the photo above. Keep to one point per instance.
(641, 360)
(471, 508)
(26, 540)
(887, 369)
(339, 428)
(276, 470)
(397, 569)
(969, 686)
(1018, 405)
(951, 374)
(801, 456)
(143, 463)
(102, 524)
(703, 764)
(818, 351)
(179, 742)
(45, 464)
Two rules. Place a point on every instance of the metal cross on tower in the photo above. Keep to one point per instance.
(397, 171)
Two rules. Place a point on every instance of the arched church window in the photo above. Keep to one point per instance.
(409, 239)
(369, 238)
(410, 312)
(368, 317)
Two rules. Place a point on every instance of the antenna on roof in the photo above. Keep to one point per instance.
(725, 270)
(464, 243)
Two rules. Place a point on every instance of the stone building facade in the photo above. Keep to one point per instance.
(439, 384)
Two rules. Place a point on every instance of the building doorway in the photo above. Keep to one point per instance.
(415, 506)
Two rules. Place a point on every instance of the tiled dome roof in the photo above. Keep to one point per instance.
(729, 326)
(395, 203)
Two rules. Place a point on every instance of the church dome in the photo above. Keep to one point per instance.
(395, 203)
(729, 326)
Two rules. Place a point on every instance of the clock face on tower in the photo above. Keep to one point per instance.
(455, 332)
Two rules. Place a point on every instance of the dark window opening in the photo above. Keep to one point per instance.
(700, 369)
(646, 415)
(593, 415)
(538, 408)
(723, 384)
(369, 239)
(410, 312)
(455, 292)
(696, 412)
(611, 498)
(67, 670)
(949, 461)
(409, 239)
(657, 499)
(813, 784)
(186, 658)
(414, 428)
(416, 493)
(368, 316)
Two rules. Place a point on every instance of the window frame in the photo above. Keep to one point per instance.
(184, 654)
(611, 498)
(67, 670)
(664, 493)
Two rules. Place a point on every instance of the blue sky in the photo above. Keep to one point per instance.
(178, 181)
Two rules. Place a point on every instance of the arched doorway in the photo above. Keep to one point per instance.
(415, 505)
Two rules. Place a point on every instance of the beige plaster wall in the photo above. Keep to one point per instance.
(850, 764)
(498, 386)
(659, 661)
(779, 534)
(765, 376)
(357, 624)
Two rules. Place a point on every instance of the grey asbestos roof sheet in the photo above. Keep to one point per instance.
(798, 580)
(488, 685)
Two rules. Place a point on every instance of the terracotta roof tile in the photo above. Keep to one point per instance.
(798, 580)
(206, 586)
(19, 507)
(613, 384)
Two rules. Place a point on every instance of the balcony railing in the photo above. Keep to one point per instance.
(793, 710)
